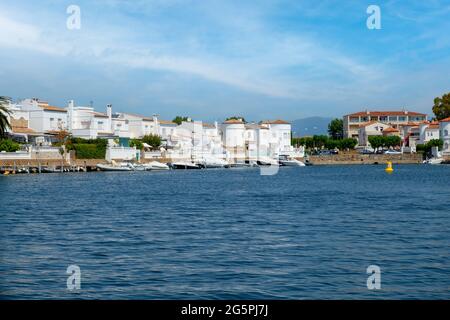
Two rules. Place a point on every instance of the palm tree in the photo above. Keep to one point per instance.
(4, 112)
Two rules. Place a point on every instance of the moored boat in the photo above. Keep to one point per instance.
(155, 165)
(113, 167)
(184, 165)
(290, 162)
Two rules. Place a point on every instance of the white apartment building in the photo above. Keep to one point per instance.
(395, 119)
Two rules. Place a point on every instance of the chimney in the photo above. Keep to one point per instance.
(109, 114)
(155, 123)
(70, 110)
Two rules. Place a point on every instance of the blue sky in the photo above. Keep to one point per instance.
(211, 59)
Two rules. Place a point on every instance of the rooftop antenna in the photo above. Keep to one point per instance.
(91, 104)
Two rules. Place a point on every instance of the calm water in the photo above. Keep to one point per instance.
(228, 234)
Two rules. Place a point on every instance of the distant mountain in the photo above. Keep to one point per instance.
(310, 126)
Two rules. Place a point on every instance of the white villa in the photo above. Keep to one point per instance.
(232, 140)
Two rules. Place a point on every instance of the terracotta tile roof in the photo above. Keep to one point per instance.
(365, 124)
(433, 126)
(166, 122)
(390, 129)
(413, 124)
(385, 113)
(208, 125)
(53, 108)
(22, 130)
(278, 121)
(445, 120)
(233, 121)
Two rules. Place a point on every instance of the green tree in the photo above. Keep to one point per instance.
(332, 144)
(347, 143)
(8, 145)
(236, 118)
(152, 140)
(336, 129)
(179, 119)
(377, 141)
(319, 141)
(441, 107)
(4, 112)
(435, 143)
(392, 141)
(136, 143)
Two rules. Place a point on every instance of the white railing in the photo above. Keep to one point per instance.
(121, 153)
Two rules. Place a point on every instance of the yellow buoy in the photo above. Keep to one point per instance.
(389, 168)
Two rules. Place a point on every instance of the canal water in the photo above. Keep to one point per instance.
(304, 233)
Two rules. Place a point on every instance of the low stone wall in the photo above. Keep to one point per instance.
(354, 158)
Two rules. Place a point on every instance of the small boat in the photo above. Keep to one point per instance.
(246, 164)
(50, 170)
(114, 167)
(434, 161)
(155, 165)
(290, 162)
(213, 163)
(184, 165)
(267, 162)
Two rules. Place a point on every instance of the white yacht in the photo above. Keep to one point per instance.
(266, 161)
(155, 165)
(290, 162)
(211, 162)
(116, 167)
(434, 161)
(184, 165)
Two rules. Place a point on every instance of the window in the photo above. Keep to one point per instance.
(354, 119)
(52, 119)
(383, 118)
(402, 119)
(393, 118)
(445, 133)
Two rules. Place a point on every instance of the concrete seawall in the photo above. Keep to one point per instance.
(354, 158)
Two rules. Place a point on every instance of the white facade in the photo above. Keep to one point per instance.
(279, 137)
(444, 127)
(428, 131)
(138, 126)
(43, 117)
(232, 140)
(86, 123)
(370, 129)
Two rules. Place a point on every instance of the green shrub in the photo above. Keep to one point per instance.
(8, 145)
(152, 140)
(136, 143)
(90, 151)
